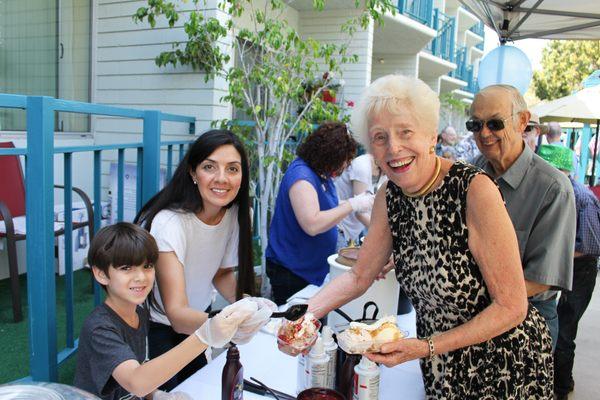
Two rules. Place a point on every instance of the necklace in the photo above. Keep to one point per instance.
(429, 184)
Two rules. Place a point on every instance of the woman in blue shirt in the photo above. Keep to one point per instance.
(303, 230)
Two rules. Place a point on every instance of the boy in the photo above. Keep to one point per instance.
(112, 359)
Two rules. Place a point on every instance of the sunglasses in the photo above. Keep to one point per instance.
(494, 124)
(529, 128)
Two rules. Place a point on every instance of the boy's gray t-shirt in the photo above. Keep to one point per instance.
(105, 342)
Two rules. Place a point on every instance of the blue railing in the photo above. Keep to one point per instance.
(477, 28)
(461, 64)
(472, 85)
(443, 44)
(419, 10)
(39, 182)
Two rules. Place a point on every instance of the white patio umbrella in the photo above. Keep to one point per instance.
(582, 106)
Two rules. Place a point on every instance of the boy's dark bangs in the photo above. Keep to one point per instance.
(134, 250)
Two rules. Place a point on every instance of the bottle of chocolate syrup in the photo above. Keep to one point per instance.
(346, 381)
(232, 380)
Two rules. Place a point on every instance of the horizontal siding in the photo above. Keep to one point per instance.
(325, 26)
(126, 75)
(394, 64)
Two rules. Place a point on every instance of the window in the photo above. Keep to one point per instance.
(45, 51)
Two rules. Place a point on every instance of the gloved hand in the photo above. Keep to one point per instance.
(249, 327)
(160, 395)
(219, 330)
(362, 202)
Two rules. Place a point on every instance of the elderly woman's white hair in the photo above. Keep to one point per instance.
(389, 94)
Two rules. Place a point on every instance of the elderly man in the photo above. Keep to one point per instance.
(532, 132)
(554, 133)
(539, 198)
(447, 145)
(553, 136)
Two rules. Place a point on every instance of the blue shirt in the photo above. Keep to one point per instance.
(291, 247)
(587, 208)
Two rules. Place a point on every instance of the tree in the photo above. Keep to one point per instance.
(280, 79)
(566, 63)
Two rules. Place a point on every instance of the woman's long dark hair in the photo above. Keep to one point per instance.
(181, 194)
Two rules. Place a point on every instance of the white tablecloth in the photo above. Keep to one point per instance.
(262, 360)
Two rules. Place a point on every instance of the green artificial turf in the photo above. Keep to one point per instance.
(14, 337)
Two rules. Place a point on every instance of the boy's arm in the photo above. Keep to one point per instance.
(142, 379)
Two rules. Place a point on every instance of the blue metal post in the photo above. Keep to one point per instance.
(435, 43)
(69, 309)
(585, 153)
(120, 185)
(138, 180)
(41, 290)
(151, 177)
(97, 212)
(169, 162)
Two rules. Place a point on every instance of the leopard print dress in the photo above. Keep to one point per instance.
(440, 276)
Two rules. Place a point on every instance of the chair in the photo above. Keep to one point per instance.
(12, 213)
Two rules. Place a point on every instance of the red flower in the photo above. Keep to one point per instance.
(350, 103)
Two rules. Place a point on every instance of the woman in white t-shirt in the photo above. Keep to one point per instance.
(201, 223)
(362, 175)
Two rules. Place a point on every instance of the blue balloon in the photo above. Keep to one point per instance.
(508, 65)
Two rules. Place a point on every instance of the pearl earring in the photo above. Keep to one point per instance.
(195, 183)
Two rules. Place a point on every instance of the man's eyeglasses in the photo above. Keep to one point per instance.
(494, 124)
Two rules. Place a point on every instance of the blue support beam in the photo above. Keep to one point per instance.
(69, 308)
(585, 153)
(97, 212)
(41, 290)
(151, 157)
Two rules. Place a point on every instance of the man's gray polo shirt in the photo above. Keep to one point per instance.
(541, 204)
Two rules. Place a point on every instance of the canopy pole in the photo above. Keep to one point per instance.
(593, 177)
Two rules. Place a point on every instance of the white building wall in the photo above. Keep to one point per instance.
(125, 75)
(325, 26)
(385, 64)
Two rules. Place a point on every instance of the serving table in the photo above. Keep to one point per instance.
(262, 360)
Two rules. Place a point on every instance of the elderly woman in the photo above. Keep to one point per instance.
(456, 257)
(303, 229)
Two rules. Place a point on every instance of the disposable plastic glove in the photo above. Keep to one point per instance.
(219, 330)
(248, 328)
(362, 202)
(160, 395)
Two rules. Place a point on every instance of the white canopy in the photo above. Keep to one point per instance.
(542, 19)
(583, 106)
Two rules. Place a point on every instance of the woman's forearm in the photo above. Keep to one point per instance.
(186, 319)
(224, 281)
(322, 221)
(338, 292)
(489, 323)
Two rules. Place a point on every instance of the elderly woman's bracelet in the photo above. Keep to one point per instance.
(429, 341)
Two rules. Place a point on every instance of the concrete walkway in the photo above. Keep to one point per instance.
(586, 371)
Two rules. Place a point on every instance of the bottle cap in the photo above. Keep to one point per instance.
(327, 335)
(317, 350)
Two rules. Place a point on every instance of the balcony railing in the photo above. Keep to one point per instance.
(419, 10)
(477, 28)
(443, 44)
(461, 64)
(39, 181)
(472, 85)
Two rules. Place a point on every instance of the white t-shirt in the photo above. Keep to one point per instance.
(202, 249)
(359, 170)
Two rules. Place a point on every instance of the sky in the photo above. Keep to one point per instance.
(531, 47)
